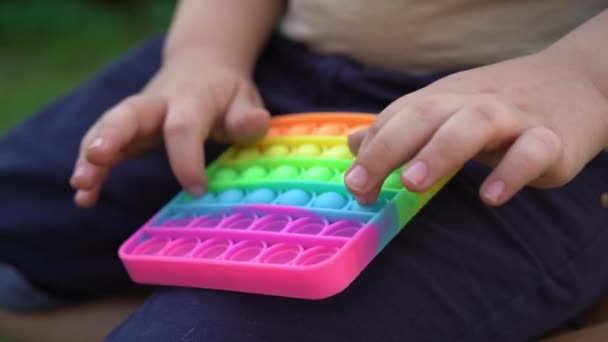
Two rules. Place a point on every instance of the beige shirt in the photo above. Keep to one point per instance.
(433, 35)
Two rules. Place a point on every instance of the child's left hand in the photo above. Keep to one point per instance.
(538, 119)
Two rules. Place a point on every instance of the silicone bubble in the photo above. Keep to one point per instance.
(179, 220)
(300, 129)
(277, 150)
(393, 181)
(339, 152)
(307, 225)
(294, 197)
(238, 221)
(245, 250)
(339, 178)
(207, 221)
(151, 246)
(247, 153)
(224, 174)
(331, 129)
(317, 173)
(284, 172)
(308, 150)
(262, 195)
(273, 131)
(343, 228)
(330, 200)
(272, 223)
(316, 255)
(254, 173)
(209, 197)
(281, 253)
(212, 248)
(230, 196)
(181, 247)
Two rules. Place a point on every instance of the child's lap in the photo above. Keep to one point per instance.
(458, 268)
(458, 272)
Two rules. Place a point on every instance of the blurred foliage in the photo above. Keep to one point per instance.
(48, 47)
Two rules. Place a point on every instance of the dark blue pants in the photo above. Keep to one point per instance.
(460, 271)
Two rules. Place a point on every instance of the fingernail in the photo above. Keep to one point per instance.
(196, 190)
(415, 173)
(98, 142)
(79, 172)
(79, 197)
(356, 179)
(493, 191)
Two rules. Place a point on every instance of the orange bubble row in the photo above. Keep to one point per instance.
(322, 124)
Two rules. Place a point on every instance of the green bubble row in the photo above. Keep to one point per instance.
(233, 175)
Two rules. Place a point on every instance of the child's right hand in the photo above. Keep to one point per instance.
(190, 99)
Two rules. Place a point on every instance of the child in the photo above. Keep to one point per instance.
(537, 112)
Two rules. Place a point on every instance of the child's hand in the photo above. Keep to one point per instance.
(538, 119)
(189, 100)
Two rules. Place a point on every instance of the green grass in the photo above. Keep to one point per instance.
(48, 47)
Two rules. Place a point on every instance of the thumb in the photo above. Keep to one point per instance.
(246, 119)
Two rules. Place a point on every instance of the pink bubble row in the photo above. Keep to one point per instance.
(223, 249)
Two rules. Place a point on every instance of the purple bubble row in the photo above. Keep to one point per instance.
(270, 223)
(223, 249)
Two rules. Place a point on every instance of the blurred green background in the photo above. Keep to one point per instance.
(48, 47)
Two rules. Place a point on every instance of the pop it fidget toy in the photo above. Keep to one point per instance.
(277, 218)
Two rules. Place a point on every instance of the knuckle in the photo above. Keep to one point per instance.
(374, 128)
(194, 106)
(562, 176)
(450, 138)
(132, 104)
(176, 126)
(547, 140)
(496, 116)
(426, 106)
(529, 157)
(384, 148)
(544, 148)
(379, 156)
(492, 112)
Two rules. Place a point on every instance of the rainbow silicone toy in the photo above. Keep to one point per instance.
(277, 219)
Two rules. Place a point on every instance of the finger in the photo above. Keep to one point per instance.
(186, 127)
(246, 120)
(461, 137)
(533, 153)
(379, 122)
(84, 174)
(136, 117)
(87, 176)
(101, 146)
(395, 142)
(87, 195)
(355, 139)
(87, 198)
(425, 104)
